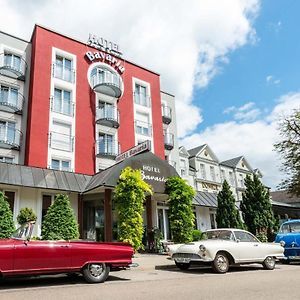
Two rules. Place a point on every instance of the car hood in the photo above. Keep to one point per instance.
(290, 239)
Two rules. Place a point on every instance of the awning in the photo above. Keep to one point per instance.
(206, 199)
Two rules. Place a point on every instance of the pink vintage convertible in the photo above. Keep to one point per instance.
(20, 255)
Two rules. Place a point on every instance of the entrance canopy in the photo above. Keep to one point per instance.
(155, 171)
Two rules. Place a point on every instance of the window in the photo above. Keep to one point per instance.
(63, 165)
(62, 102)
(140, 95)
(63, 69)
(182, 167)
(107, 110)
(212, 173)
(106, 144)
(241, 180)
(222, 176)
(13, 61)
(6, 159)
(61, 138)
(46, 202)
(142, 125)
(10, 199)
(245, 237)
(9, 95)
(231, 180)
(202, 171)
(7, 132)
(213, 222)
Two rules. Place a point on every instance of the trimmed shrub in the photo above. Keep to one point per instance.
(26, 215)
(7, 226)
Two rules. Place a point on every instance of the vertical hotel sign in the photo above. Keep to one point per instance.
(108, 52)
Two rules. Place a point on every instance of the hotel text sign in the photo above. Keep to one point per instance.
(104, 45)
(133, 151)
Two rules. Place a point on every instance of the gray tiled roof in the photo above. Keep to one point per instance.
(42, 178)
(206, 199)
(284, 197)
(231, 162)
(194, 151)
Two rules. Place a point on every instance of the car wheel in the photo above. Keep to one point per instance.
(96, 272)
(220, 263)
(269, 263)
(182, 266)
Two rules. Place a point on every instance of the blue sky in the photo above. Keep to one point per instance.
(276, 53)
(233, 65)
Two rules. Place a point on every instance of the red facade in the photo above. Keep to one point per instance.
(43, 40)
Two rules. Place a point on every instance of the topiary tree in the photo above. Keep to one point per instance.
(228, 215)
(181, 215)
(60, 222)
(26, 215)
(7, 226)
(257, 209)
(129, 198)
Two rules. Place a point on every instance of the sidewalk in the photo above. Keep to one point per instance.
(149, 261)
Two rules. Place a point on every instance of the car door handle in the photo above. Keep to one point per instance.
(255, 245)
(64, 246)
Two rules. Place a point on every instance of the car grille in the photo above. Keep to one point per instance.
(191, 256)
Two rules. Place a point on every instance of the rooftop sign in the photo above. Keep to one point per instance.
(145, 146)
(104, 45)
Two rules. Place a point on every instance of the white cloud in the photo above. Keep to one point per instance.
(245, 113)
(270, 79)
(186, 42)
(253, 139)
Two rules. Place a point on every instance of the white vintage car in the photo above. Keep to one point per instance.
(222, 248)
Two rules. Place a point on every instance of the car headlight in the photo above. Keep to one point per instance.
(282, 243)
(202, 248)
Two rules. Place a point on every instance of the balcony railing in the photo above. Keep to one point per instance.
(61, 141)
(10, 138)
(142, 99)
(166, 114)
(143, 128)
(108, 116)
(67, 109)
(169, 141)
(12, 66)
(63, 73)
(11, 102)
(107, 83)
(107, 147)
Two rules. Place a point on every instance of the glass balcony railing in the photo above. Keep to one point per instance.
(107, 147)
(166, 114)
(11, 101)
(142, 99)
(62, 107)
(169, 141)
(108, 115)
(106, 82)
(63, 73)
(61, 141)
(13, 66)
(10, 138)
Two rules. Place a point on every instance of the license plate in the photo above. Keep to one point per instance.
(182, 260)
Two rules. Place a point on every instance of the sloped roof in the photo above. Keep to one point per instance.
(193, 152)
(206, 199)
(284, 197)
(19, 175)
(232, 163)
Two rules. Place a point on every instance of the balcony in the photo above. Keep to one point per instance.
(107, 83)
(107, 148)
(169, 141)
(12, 66)
(108, 115)
(12, 102)
(143, 128)
(62, 107)
(10, 138)
(63, 73)
(142, 99)
(166, 114)
(60, 141)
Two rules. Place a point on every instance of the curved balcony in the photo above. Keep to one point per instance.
(11, 102)
(169, 141)
(12, 66)
(107, 148)
(106, 82)
(166, 114)
(10, 138)
(108, 116)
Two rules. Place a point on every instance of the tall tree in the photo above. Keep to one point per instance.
(181, 215)
(7, 225)
(256, 207)
(228, 215)
(129, 198)
(289, 149)
(60, 222)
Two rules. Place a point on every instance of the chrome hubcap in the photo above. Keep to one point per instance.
(96, 270)
(222, 263)
(270, 261)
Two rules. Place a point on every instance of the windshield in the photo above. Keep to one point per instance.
(218, 235)
(23, 232)
(290, 227)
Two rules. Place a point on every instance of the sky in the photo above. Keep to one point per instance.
(233, 65)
